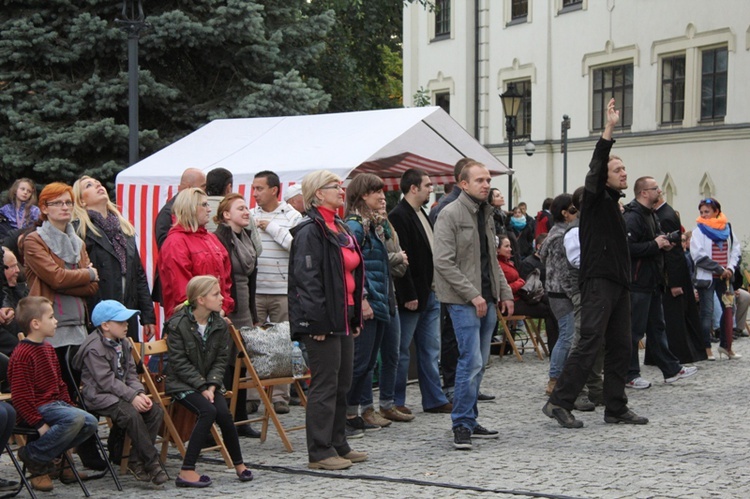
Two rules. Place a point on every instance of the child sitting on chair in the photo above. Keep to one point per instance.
(198, 342)
(111, 387)
(40, 395)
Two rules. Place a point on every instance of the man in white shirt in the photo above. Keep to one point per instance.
(274, 218)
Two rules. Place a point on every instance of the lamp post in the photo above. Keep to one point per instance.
(511, 100)
(132, 22)
(564, 127)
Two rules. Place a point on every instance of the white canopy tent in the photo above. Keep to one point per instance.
(385, 142)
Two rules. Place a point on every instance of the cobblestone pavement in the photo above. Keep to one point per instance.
(695, 446)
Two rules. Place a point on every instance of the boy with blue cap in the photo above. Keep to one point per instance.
(110, 387)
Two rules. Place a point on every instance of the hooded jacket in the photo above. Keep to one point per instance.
(97, 361)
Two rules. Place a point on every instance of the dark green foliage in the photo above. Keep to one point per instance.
(64, 81)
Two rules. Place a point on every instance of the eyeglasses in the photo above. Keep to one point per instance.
(68, 204)
(572, 210)
(338, 187)
(651, 188)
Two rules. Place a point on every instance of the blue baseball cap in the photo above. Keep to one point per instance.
(111, 310)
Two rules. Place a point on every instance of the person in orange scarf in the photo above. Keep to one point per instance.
(716, 253)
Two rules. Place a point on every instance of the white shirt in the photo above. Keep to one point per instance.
(273, 263)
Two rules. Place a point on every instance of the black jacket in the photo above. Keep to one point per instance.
(136, 294)
(224, 234)
(647, 260)
(604, 244)
(676, 269)
(317, 294)
(416, 283)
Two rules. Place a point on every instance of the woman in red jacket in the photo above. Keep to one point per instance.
(189, 250)
(539, 310)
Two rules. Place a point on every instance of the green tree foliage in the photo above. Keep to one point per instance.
(64, 82)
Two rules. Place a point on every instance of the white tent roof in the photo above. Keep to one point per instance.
(388, 142)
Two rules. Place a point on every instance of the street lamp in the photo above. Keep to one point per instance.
(132, 22)
(511, 100)
(564, 127)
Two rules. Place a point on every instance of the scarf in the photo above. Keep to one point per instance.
(245, 252)
(66, 245)
(111, 228)
(518, 223)
(377, 221)
(716, 229)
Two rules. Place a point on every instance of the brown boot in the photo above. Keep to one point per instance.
(372, 417)
(42, 483)
(394, 414)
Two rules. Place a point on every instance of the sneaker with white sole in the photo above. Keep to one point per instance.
(638, 384)
(685, 372)
(461, 438)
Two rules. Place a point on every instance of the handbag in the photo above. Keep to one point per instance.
(533, 290)
(270, 349)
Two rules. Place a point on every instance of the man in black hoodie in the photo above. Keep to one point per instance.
(604, 278)
(647, 246)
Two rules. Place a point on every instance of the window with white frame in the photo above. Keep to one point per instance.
(673, 89)
(608, 82)
(714, 65)
(442, 18)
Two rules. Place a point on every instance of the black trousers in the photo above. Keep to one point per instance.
(331, 363)
(448, 349)
(142, 429)
(605, 317)
(209, 413)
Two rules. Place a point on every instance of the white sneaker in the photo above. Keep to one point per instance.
(685, 372)
(638, 384)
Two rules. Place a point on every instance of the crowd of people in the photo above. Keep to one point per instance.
(354, 289)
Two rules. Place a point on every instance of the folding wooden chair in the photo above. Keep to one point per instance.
(142, 350)
(265, 390)
(507, 336)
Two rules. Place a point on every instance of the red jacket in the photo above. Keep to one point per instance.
(512, 276)
(186, 254)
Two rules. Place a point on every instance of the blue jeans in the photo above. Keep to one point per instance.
(647, 318)
(567, 329)
(366, 347)
(424, 328)
(473, 336)
(69, 427)
(389, 350)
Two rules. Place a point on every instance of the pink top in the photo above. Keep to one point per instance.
(349, 255)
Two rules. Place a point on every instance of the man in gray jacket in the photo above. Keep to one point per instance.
(469, 281)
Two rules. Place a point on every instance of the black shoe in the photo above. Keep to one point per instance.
(628, 417)
(563, 416)
(482, 432)
(483, 397)
(7, 485)
(462, 438)
(359, 423)
(247, 431)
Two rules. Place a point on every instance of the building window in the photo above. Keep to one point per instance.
(617, 82)
(714, 84)
(442, 18)
(673, 89)
(519, 9)
(570, 5)
(443, 100)
(523, 120)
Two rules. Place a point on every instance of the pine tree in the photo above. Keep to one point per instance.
(64, 82)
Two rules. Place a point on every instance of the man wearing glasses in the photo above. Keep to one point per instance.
(647, 245)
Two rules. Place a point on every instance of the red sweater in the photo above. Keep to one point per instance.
(512, 276)
(35, 380)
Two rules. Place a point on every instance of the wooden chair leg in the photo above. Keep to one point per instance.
(509, 338)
